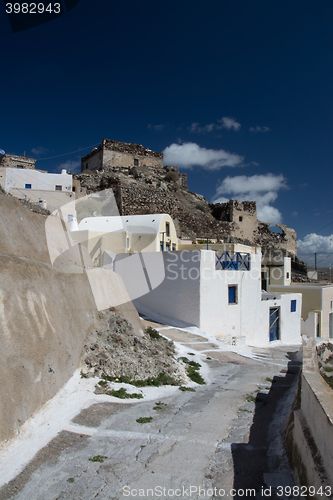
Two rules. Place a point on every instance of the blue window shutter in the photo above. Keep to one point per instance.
(232, 295)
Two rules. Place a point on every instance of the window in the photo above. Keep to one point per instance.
(27, 186)
(287, 276)
(167, 229)
(331, 304)
(167, 247)
(127, 243)
(173, 247)
(293, 306)
(232, 294)
(240, 218)
(136, 162)
(58, 188)
(19, 166)
(73, 189)
(161, 246)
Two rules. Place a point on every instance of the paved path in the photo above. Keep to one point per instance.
(223, 438)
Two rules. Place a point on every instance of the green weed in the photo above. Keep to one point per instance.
(153, 333)
(183, 388)
(123, 394)
(144, 420)
(98, 458)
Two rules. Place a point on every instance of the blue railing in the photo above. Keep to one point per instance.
(239, 261)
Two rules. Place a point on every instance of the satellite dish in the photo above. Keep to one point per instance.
(2, 152)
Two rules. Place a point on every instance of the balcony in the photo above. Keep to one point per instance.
(238, 261)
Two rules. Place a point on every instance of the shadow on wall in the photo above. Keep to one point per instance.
(256, 462)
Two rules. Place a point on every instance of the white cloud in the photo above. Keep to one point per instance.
(226, 122)
(39, 151)
(315, 243)
(189, 154)
(72, 166)
(158, 128)
(259, 129)
(254, 183)
(229, 123)
(194, 128)
(260, 188)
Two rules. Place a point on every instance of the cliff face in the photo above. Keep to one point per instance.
(147, 189)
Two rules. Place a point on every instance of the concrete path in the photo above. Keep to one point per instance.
(221, 441)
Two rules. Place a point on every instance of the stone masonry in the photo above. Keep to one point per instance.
(13, 161)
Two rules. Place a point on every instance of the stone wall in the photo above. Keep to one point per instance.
(120, 154)
(153, 189)
(310, 436)
(13, 161)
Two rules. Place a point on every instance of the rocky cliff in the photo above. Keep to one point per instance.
(147, 189)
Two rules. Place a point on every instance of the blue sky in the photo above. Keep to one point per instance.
(238, 93)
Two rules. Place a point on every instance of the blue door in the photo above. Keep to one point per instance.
(274, 327)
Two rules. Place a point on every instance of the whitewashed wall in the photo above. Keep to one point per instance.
(17, 178)
(194, 293)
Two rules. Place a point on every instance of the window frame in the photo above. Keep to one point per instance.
(235, 288)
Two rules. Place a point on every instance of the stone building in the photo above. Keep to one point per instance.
(121, 155)
(13, 161)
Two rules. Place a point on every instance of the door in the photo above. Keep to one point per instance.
(274, 323)
(331, 325)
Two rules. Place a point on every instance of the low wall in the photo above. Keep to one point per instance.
(311, 445)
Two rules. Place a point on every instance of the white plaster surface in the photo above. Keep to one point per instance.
(194, 293)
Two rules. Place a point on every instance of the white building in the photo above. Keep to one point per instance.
(51, 191)
(317, 307)
(108, 236)
(220, 293)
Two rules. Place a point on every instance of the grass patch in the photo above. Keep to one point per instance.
(159, 405)
(194, 364)
(153, 333)
(255, 399)
(192, 372)
(102, 383)
(98, 458)
(161, 379)
(269, 379)
(70, 480)
(328, 369)
(208, 358)
(328, 380)
(123, 394)
(183, 388)
(184, 359)
(191, 353)
(83, 375)
(144, 420)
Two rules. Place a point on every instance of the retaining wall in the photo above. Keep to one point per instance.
(46, 312)
(311, 440)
